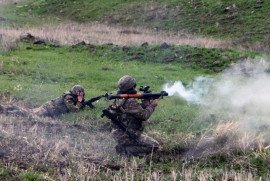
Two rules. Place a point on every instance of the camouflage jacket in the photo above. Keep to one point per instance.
(61, 105)
(131, 113)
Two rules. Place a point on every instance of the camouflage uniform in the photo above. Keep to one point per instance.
(133, 115)
(66, 103)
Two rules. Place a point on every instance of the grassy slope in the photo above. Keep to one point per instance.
(246, 20)
(40, 76)
(37, 75)
(11, 18)
(40, 71)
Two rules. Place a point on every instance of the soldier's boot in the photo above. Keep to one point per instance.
(139, 150)
(147, 146)
(16, 113)
(120, 149)
(11, 108)
(2, 109)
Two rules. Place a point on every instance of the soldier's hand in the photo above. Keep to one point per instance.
(80, 97)
(155, 102)
(146, 102)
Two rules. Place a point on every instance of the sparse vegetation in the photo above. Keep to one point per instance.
(196, 145)
(210, 18)
(72, 33)
(97, 67)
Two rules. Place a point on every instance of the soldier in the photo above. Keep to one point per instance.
(133, 115)
(71, 101)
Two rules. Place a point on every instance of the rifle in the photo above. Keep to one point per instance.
(115, 120)
(89, 102)
(145, 95)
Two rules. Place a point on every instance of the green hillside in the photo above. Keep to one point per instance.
(224, 138)
(244, 21)
(43, 149)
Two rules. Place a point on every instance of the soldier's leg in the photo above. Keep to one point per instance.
(41, 112)
(122, 139)
(5, 108)
(2, 109)
(14, 110)
(146, 146)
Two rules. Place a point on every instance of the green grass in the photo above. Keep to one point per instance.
(37, 75)
(42, 73)
(245, 20)
(13, 174)
(34, 76)
(11, 18)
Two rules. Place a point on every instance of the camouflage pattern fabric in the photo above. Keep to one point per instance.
(133, 115)
(15, 110)
(61, 105)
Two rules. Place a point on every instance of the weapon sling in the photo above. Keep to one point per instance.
(121, 125)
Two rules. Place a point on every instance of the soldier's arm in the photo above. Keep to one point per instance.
(140, 113)
(72, 104)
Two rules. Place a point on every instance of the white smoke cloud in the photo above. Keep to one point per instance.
(241, 93)
(194, 92)
(238, 99)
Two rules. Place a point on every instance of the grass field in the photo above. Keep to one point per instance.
(30, 77)
(207, 17)
(226, 138)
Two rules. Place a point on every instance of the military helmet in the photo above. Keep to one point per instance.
(126, 83)
(76, 89)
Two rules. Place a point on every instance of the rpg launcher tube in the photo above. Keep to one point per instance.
(137, 95)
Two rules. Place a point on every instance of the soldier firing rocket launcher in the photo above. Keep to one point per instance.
(134, 94)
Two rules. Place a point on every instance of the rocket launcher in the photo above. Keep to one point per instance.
(145, 95)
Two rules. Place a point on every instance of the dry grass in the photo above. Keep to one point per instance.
(69, 152)
(228, 138)
(84, 152)
(72, 33)
(7, 42)
(93, 33)
(44, 144)
(10, 1)
(254, 46)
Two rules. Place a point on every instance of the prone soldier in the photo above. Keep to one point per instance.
(71, 101)
(133, 115)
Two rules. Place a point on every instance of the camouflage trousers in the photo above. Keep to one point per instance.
(18, 111)
(126, 145)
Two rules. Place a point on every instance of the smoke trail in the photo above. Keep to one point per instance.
(241, 93)
(194, 92)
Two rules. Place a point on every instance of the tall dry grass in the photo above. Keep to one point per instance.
(86, 152)
(95, 33)
(10, 1)
(7, 42)
(229, 137)
(71, 33)
(75, 153)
